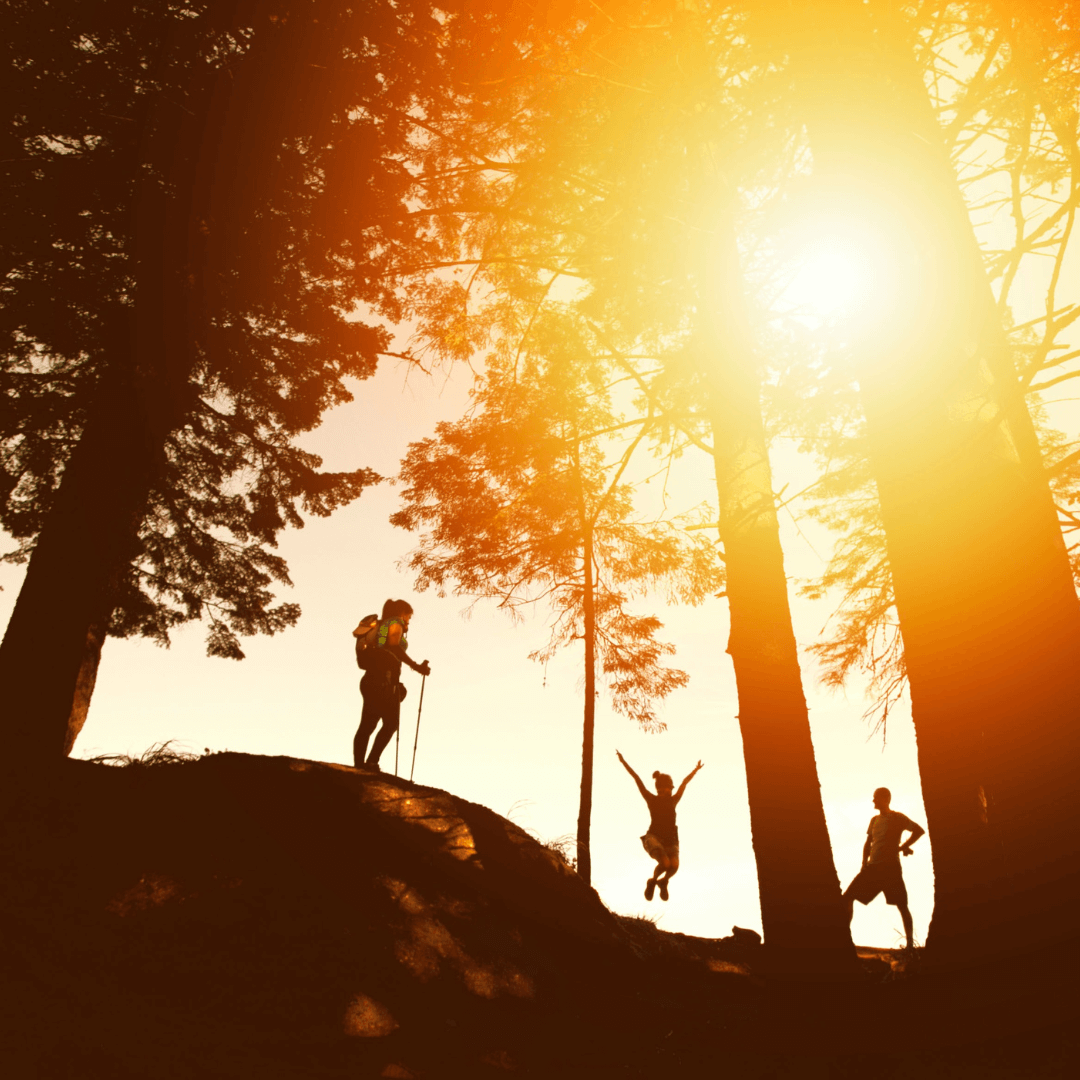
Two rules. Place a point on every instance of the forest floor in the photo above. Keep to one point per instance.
(242, 916)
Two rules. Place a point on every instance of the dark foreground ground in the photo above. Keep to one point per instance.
(239, 916)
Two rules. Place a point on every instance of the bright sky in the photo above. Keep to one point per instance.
(496, 729)
(500, 730)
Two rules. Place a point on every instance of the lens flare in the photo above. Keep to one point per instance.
(837, 276)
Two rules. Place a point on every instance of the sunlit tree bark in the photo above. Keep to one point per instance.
(606, 180)
(802, 917)
(801, 910)
(988, 611)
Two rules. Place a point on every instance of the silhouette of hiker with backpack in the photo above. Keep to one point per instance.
(381, 649)
(881, 861)
(662, 840)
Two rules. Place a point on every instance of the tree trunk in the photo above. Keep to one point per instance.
(584, 857)
(48, 659)
(987, 607)
(802, 913)
(200, 157)
(85, 682)
(66, 593)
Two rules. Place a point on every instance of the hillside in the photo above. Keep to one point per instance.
(241, 916)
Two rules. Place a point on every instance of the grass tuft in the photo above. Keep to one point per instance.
(565, 847)
(159, 754)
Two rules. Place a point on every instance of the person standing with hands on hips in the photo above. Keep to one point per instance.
(881, 861)
(661, 842)
(381, 649)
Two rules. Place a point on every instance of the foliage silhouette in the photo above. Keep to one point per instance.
(524, 504)
(983, 587)
(199, 199)
(1032, 157)
(615, 192)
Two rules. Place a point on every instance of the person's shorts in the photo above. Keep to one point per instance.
(657, 849)
(876, 878)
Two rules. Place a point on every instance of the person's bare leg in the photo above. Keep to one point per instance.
(650, 885)
(905, 916)
(671, 868)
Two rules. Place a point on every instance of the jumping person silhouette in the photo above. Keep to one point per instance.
(381, 685)
(881, 861)
(662, 840)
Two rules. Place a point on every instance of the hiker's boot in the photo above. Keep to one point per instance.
(663, 889)
(650, 888)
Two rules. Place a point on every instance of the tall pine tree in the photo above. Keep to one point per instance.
(624, 156)
(526, 501)
(197, 200)
(987, 607)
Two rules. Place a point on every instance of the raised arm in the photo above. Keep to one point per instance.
(637, 779)
(689, 776)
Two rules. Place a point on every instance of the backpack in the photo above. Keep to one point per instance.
(365, 640)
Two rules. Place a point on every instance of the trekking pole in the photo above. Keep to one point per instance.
(423, 681)
(397, 746)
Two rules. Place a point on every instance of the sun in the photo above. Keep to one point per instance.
(836, 276)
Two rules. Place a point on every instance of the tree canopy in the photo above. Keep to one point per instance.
(288, 201)
(615, 187)
(214, 210)
(527, 501)
(204, 208)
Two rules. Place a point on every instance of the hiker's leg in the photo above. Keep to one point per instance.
(672, 868)
(369, 719)
(391, 717)
(905, 916)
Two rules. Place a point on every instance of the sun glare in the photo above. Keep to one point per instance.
(835, 277)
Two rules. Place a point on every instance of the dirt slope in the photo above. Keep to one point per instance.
(241, 916)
